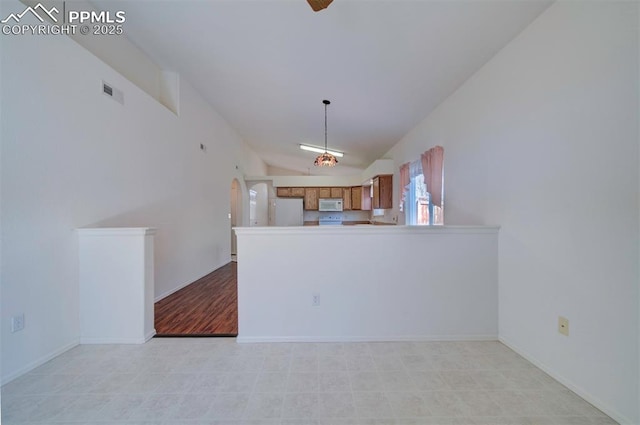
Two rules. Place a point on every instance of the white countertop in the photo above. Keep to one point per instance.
(364, 229)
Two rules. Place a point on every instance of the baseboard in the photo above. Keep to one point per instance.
(150, 335)
(174, 290)
(195, 335)
(415, 338)
(37, 363)
(605, 408)
(93, 341)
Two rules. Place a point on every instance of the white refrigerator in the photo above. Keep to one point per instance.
(288, 212)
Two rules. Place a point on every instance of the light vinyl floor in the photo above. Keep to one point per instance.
(217, 381)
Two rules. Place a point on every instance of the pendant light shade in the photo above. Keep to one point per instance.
(326, 159)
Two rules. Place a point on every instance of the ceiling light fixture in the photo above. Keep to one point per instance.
(318, 5)
(320, 150)
(326, 159)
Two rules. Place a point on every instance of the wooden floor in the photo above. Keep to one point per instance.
(207, 307)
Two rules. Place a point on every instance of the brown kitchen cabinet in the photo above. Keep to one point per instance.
(361, 198)
(324, 192)
(382, 192)
(290, 192)
(297, 192)
(346, 198)
(356, 198)
(283, 192)
(336, 192)
(311, 199)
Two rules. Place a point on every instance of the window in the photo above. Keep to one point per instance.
(417, 198)
(417, 208)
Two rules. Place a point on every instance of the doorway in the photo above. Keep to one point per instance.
(235, 215)
(258, 205)
(208, 306)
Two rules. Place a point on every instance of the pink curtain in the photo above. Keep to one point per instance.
(432, 162)
(404, 181)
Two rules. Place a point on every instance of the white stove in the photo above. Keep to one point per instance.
(330, 220)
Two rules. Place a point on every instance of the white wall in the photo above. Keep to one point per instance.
(72, 157)
(375, 283)
(543, 141)
(309, 181)
(118, 52)
(638, 123)
(279, 171)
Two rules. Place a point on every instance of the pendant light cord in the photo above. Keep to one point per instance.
(325, 128)
(326, 102)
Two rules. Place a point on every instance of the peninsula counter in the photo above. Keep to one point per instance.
(367, 283)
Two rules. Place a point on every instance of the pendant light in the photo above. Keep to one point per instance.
(326, 159)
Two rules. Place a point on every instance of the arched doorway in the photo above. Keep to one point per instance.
(235, 214)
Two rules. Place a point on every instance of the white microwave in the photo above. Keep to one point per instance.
(326, 204)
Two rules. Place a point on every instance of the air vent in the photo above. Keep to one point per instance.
(112, 92)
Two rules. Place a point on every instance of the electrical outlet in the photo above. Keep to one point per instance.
(563, 325)
(17, 323)
(315, 300)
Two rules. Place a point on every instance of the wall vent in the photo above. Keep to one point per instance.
(112, 92)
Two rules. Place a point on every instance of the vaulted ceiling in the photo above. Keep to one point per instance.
(266, 65)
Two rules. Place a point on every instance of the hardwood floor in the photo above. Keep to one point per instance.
(207, 307)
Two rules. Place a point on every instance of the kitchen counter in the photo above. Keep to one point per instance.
(312, 226)
(374, 283)
(349, 223)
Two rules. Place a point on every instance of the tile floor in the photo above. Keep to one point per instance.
(216, 381)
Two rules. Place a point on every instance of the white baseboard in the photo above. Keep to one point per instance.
(141, 340)
(416, 338)
(37, 363)
(605, 408)
(93, 341)
(150, 335)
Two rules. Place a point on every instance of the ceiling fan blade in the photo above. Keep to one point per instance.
(318, 5)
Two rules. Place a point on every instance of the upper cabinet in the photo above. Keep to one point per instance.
(382, 192)
(356, 198)
(290, 192)
(361, 198)
(364, 198)
(297, 192)
(311, 199)
(346, 198)
(324, 192)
